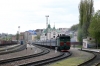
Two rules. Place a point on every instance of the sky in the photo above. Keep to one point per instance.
(30, 14)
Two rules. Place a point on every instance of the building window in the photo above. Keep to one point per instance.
(45, 34)
(53, 36)
(58, 35)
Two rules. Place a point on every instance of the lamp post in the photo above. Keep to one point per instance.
(6, 42)
(6, 37)
(50, 39)
(47, 20)
(27, 36)
(82, 40)
(18, 34)
(47, 25)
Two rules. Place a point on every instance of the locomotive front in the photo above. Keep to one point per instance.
(63, 43)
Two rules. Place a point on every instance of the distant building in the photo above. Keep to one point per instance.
(21, 37)
(52, 33)
(5, 36)
(89, 42)
(30, 35)
(13, 38)
(39, 31)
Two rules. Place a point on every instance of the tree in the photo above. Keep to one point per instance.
(86, 11)
(74, 27)
(17, 36)
(79, 37)
(37, 37)
(94, 29)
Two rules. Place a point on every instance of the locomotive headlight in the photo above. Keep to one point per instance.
(68, 43)
(61, 43)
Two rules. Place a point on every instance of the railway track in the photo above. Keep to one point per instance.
(95, 61)
(4, 48)
(38, 59)
(19, 60)
(98, 64)
(47, 61)
(13, 49)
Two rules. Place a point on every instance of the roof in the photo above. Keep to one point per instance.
(37, 30)
(49, 26)
(45, 31)
(32, 32)
(49, 29)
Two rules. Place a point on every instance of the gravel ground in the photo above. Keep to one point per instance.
(77, 58)
(49, 55)
(28, 51)
(7, 47)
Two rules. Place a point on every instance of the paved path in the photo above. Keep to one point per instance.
(30, 50)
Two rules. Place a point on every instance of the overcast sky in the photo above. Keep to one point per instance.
(30, 14)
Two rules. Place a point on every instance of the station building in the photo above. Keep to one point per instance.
(52, 33)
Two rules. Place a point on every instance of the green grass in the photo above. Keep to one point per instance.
(69, 62)
(78, 46)
(73, 61)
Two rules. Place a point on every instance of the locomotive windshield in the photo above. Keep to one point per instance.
(64, 39)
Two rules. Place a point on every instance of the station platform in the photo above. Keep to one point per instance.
(94, 50)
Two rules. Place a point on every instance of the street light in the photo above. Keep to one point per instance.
(6, 37)
(47, 20)
(6, 42)
(47, 25)
(27, 36)
(18, 34)
(50, 39)
(82, 41)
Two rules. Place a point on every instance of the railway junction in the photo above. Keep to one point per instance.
(37, 56)
(16, 60)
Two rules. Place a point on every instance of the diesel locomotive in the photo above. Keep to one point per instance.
(61, 43)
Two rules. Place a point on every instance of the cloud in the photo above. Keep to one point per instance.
(30, 14)
(96, 5)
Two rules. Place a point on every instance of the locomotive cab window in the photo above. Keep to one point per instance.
(64, 38)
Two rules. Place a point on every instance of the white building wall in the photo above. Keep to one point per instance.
(28, 37)
(43, 37)
(50, 35)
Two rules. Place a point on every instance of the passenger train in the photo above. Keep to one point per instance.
(62, 43)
